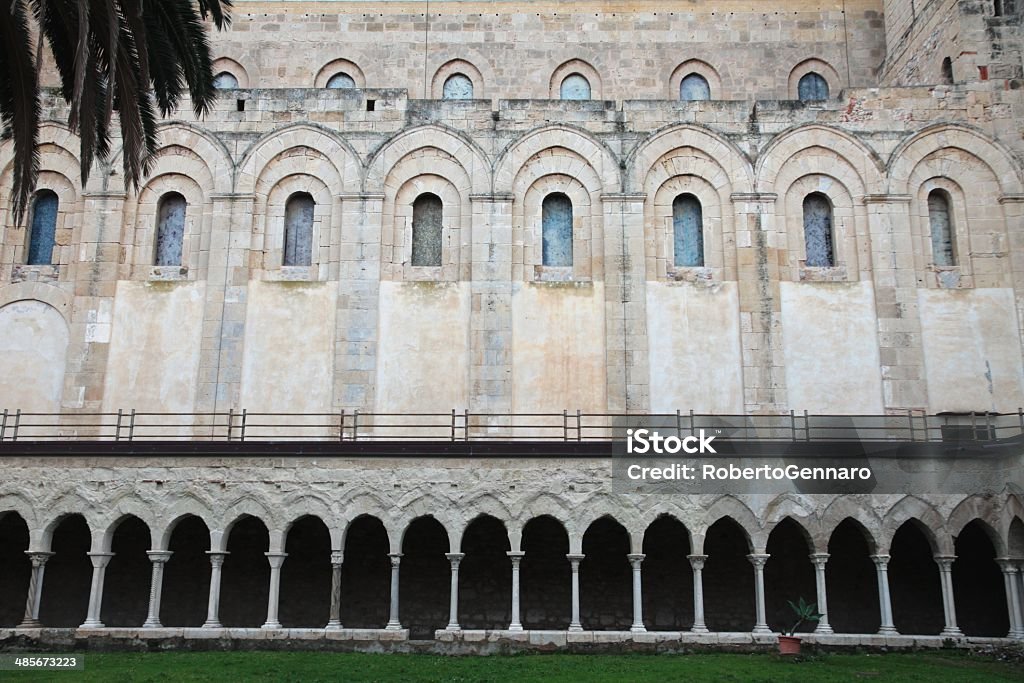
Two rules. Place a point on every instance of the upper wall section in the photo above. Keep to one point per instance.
(511, 50)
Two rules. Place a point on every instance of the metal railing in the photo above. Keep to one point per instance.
(455, 426)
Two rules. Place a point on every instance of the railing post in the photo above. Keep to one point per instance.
(465, 424)
(691, 421)
(341, 430)
(117, 429)
(131, 426)
(807, 428)
(924, 418)
(3, 426)
(453, 424)
(244, 411)
(579, 425)
(231, 421)
(565, 425)
(910, 418)
(17, 424)
(974, 426)
(679, 424)
(988, 426)
(792, 424)
(355, 424)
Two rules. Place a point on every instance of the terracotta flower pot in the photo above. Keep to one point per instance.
(789, 645)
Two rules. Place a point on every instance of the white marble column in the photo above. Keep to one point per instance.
(99, 571)
(453, 599)
(574, 563)
(393, 623)
(759, 560)
(35, 589)
(334, 620)
(819, 560)
(159, 559)
(213, 607)
(1018, 589)
(276, 559)
(697, 564)
(636, 559)
(1013, 606)
(516, 557)
(945, 563)
(887, 627)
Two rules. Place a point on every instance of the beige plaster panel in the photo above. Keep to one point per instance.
(423, 353)
(288, 361)
(558, 348)
(693, 334)
(830, 341)
(972, 352)
(33, 355)
(154, 347)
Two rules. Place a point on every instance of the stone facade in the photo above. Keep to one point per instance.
(885, 328)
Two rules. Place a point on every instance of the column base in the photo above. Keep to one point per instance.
(333, 626)
(888, 631)
(825, 629)
(575, 628)
(212, 624)
(699, 629)
(515, 627)
(152, 623)
(762, 630)
(92, 624)
(271, 625)
(393, 626)
(952, 633)
(1014, 635)
(452, 627)
(638, 629)
(30, 623)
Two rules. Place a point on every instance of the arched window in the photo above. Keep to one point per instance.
(427, 215)
(457, 87)
(813, 87)
(941, 222)
(688, 229)
(946, 73)
(694, 87)
(556, 230)
(818, 231)
(341, 80)
(44, 228)
(170, 229)
(225, 81)
(1002, 7)
(575, 87)
(298, 230)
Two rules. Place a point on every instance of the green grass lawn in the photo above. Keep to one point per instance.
(326, 666)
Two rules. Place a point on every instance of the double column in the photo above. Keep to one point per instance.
(1012, 572)
(276, 560)
(945, 563)
(35, 589)
(887, 628)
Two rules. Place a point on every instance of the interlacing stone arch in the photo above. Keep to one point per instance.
(597, 155)
(338, 152)
(474, 162)
(924, 515)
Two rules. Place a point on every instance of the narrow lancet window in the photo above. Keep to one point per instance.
(170, 229)
(298, 230)
(941, 222)
(44, 228)
(818, 231)
(688, 228)
(556, 230)
(427, 216)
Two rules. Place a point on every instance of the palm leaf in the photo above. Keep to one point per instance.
(19, 102)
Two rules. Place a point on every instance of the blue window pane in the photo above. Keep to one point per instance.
(458, 87)
(44, 228)
(688, 226)
(694, 87)
(812, 88)
(941, 228)
(225, 81)
(170, 229)
(341, 80)
(298, 230)
(818, 231)
(556, 229)
(427, 215)
(575, 87)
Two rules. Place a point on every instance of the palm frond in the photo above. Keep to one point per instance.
(218, 10)
(19, 102)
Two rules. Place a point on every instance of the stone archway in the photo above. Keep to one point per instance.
(728, 578)
(245, 582)
(366, 574)
(546, 579)
(851, 581)
(914, 582)
(978, 588)
(306, 575)
(15, 568)
(425, 579)
(485, 577)
(667, 576)
(128, 575)
(186, 585)
(788, 575)
(606, 578)
(65, 599)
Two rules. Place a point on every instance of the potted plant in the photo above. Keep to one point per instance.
(789, 644)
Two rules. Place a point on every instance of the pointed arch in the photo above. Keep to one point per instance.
(924, 516)
(865, 162)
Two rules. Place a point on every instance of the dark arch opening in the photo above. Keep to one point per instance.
(425, 579)
(852, 581)
(485, 577)
(606, 578)
(170, 229)
(43, 230)
(15, 568)
(68, 575)
(978, 588)
(667, 577)
(186, 589)
(245, 581)
(427, 230)
(545, 580)
(128, 577)
(366, 575)
(728, 578)
(914, 583)
(788, 575)
(306, 575)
